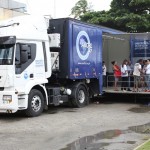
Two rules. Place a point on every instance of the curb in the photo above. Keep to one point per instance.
(142, 144)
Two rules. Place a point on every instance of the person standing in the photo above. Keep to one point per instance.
(117, 74)
(137, 73)
(104, 74)
(147, 71)
(143, 76)
(124, 76)
(130, 72)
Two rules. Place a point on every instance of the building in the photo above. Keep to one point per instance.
(11, 8)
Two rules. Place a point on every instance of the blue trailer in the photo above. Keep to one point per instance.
(78, 60)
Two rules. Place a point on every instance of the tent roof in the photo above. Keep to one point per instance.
(127, 36)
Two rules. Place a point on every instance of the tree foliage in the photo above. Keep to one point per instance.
(125, 15)
(80, 8)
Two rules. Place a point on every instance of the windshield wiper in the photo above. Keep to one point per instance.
(9, 25)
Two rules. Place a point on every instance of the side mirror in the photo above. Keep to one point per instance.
(24, 53)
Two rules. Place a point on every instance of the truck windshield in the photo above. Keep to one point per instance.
(7, 44)
(6, 54)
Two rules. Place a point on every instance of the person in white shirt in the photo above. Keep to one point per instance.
(130, 72)
(104, 69)
(137, 73)
(147, 71)
(143, 76)
(124, 75)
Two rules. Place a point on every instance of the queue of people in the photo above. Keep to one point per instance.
(136, 77)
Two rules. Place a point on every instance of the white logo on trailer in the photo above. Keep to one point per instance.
(83, 45)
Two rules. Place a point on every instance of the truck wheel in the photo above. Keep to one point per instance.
(80, 96)
(35, 103)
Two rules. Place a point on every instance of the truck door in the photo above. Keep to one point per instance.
(24, 58)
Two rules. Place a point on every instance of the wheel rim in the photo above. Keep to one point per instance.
(36, 103)
(81, 96)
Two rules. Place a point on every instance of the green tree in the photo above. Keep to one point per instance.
(125, 15)
(80, 8)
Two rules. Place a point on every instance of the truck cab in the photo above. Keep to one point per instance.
(24, 61)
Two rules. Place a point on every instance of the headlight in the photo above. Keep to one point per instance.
(7, 99)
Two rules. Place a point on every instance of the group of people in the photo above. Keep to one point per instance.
(139, 75)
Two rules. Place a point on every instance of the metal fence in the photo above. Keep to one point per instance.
(141, 83)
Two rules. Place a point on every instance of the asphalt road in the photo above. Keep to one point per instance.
(103, 126)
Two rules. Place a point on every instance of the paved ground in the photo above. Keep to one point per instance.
(104, 126)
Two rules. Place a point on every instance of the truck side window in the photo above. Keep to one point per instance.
(24, 56)
(45, 57)
(17, 56)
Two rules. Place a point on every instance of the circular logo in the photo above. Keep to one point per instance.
(26, 76)
(83, 45)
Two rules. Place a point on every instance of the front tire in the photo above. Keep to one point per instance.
(35, 103)
(80, 96)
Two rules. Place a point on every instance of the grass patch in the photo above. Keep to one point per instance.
(146, 146)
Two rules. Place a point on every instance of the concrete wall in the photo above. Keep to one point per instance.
(10, 8)
(6, 13)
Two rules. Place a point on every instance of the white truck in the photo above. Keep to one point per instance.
(42, 65)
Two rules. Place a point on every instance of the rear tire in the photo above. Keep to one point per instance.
(80, 96)
(35, 103)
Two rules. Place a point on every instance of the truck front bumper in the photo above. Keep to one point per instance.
(8, 102)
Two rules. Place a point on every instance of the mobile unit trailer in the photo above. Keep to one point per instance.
(130, 46)
(39, 69)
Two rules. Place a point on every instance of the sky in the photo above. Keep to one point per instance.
(61, 8)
